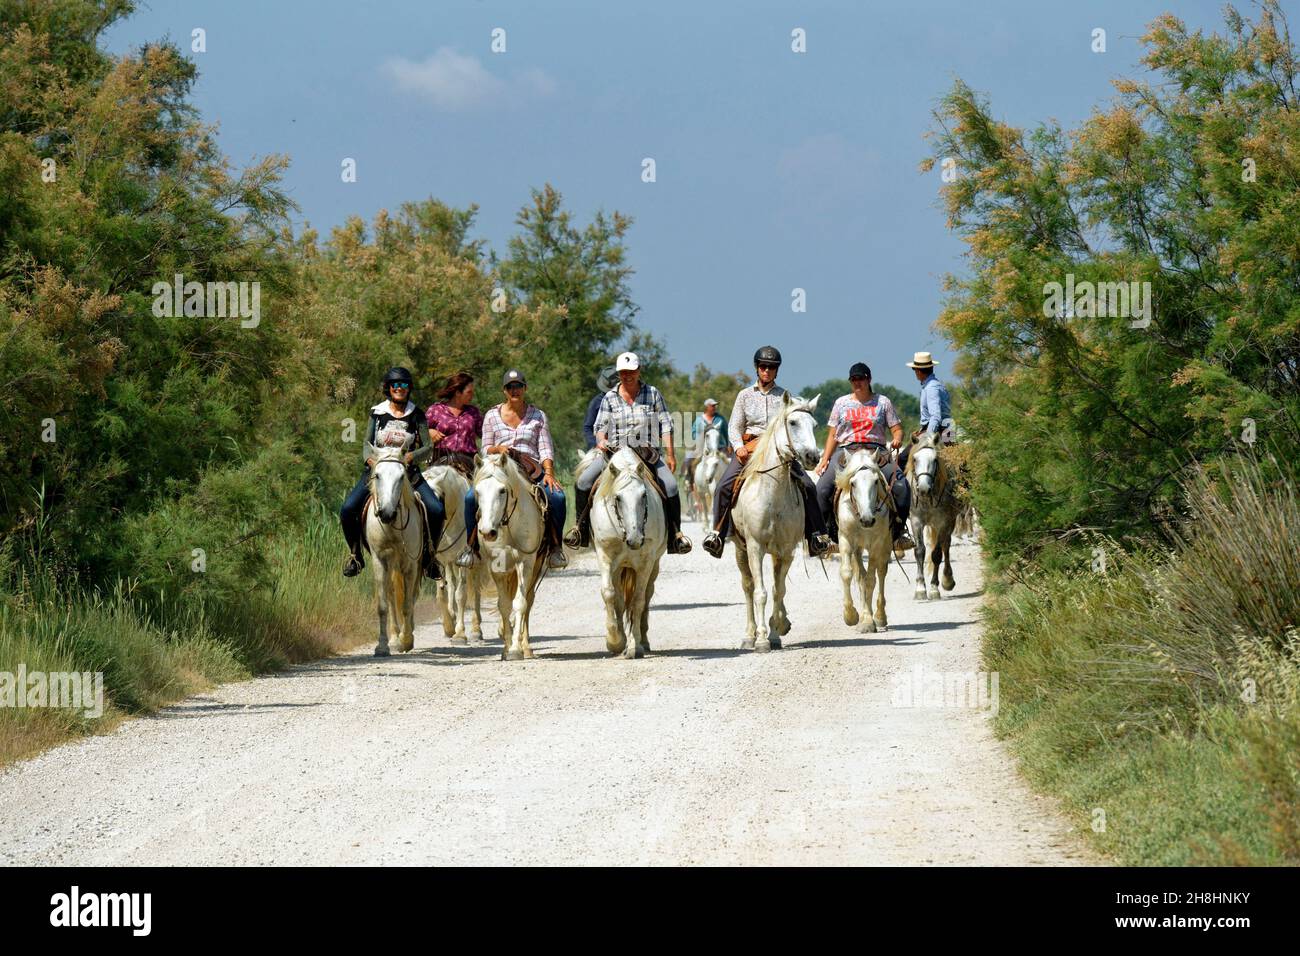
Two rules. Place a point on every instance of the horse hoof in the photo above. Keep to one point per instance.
(747, 644)
(934, 594)
(459, 639)
(851, 616)
(476, 639)
(920, 596)
(882, 625)
(381, 652)
(762, 647)
(785, 627)
(775, 642)
(868, 626)
(512, 655)
(949, 584)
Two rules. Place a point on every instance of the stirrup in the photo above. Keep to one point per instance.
(466, 558)
(713, 544)
(681, 544)
(556, 559)
(574, 537)
(353, 565)
(819, 544)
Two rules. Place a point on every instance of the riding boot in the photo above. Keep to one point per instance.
(677, 542)
(579, 535)
(432, 569)
(352, 567)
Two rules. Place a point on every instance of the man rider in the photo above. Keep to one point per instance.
(703, 422)
(755, 407)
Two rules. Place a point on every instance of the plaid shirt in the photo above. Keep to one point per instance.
(532, 436)
(633, 426)
(461, 430)
(751, 413)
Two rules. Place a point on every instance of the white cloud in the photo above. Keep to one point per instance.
(454, 81)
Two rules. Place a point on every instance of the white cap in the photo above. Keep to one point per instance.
(627, 362)
(710, 401)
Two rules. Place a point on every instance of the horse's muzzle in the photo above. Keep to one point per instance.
(868, 522)
(386, 517)
(923, 483)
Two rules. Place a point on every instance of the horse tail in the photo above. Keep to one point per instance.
(627, 584)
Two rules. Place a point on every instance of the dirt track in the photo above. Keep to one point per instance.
(700, 753)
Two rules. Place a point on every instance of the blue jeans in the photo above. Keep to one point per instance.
(350, 513)
(557, 510)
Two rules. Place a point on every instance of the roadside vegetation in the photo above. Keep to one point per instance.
(1136, 474)
(169, 483)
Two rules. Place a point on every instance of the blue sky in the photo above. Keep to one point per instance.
(775, 170)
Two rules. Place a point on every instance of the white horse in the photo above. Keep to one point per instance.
(934, 514)
(862, 507)
(460, 590)
(511, 531)
(708, 471)
(630, 536)
(768, 515)
(395, 534)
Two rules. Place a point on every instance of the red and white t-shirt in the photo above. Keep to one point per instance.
(854, 421)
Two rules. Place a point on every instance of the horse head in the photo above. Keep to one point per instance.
(625, 489)
(388, 482)
(923, 462)
(712, 439)
(493, 488)
(862, 480)
(800, 438)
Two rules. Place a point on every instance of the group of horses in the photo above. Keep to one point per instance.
(629, 536)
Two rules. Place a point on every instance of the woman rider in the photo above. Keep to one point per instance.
(633, 415)
(391, 422)
(455, 423)
(520, 429)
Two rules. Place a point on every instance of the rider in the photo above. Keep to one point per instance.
(858, 420)
(604, 382)
(454, 420)
(522, 430)
(936, 406)
(703, 422)
(628, 418)
(755, 406)
(392, 422)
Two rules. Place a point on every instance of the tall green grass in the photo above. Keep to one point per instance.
(154, 654)
(1164, 690)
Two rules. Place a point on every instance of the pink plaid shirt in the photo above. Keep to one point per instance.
(461, 430)
(532, 437)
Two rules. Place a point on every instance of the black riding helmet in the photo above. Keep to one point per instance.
(767, 355)
(396, 374)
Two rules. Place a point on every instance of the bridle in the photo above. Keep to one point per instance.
(614, 513)
(789, 456)
(886, 500)
(403, 510)
(512, 499)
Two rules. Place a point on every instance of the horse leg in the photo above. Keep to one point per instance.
(474, 588)
(410, 591)
(762, 641)
(615, 638)
(457, 590)
(880, 568)
(442, 594)
(863, 571)
(747, 585)
(504, 593)
(948, 581)
(528, 569)
(846, 578)
(633, 608)
(780, 622)
(645, 609)
(381, 605)
(918, 536)
(932, 563)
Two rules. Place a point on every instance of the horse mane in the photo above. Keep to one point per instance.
(609, 477)
(846, 474)
(508, 472)
(766, 441)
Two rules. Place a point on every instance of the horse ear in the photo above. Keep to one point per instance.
(786, 399)
(371, 451)
(814, 401)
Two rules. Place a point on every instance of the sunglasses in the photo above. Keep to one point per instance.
(514, 385)
(767, 368)
(399, 385)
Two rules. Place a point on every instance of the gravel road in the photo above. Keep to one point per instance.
(701, 753)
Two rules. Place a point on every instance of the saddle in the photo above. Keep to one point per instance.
(463, 463)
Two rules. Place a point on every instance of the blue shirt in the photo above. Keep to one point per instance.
(589, 423)
(935, 404)
(700, 424)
